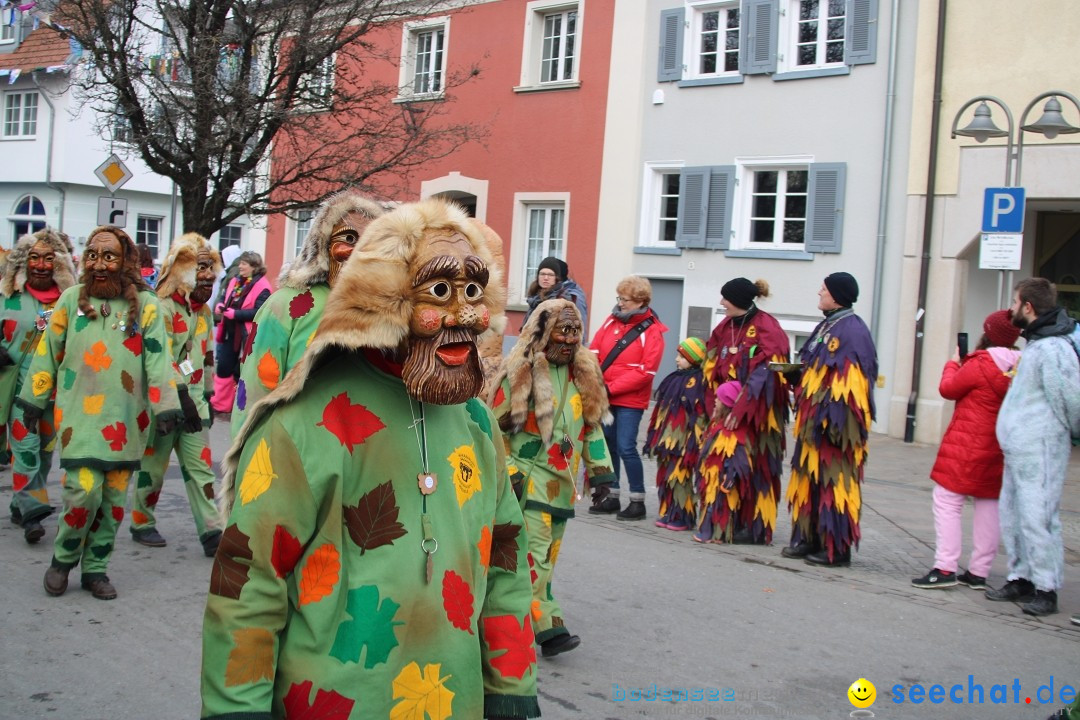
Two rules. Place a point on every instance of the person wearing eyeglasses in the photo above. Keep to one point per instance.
(553, 283)
(629, 346)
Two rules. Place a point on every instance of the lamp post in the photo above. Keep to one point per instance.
(982, 127)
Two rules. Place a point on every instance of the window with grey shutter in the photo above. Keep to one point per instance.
(860, 47)
(721, 197)
(672, 23)
(693, 207)
(825, 214)
(759, 31)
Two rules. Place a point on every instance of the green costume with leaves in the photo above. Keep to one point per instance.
(188, 329)
(284, 327)
(32, 453)
(109, 381)
(324, 540)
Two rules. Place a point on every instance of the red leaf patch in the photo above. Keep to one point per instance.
(555, 457)
(144, 420)
(9, 329)
(116, 434)
(19, 481)
(328, 704)
(373, 522)
(351, 424)
(18, 430)
(301, 305)
(206, 457)
(76, 517)
(134, 344)
(178, 324)
(118, 513)
(286, 552)
(457, 601)
(502, 632)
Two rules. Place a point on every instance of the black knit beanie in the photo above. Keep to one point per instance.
(556, 266)
(740, 292)
(843, 288)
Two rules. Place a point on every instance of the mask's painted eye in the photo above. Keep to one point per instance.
(473, 291)
(349, 237)
(441, 290)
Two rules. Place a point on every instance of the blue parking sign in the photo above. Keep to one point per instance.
(1003, 210)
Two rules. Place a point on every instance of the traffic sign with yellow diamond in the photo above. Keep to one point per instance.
(113, 173)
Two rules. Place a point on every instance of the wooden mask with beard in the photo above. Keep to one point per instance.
(103, 263)
(442, 364)
(204, 278)
(564, 337)
(40, 264)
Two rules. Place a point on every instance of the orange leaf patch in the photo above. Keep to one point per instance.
(320, 574)
(269, 371)
(252, 657)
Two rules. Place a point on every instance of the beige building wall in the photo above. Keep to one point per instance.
(1015, 52)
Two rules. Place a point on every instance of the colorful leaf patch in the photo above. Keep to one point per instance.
(371, 625)
(421, 694)
(285, 553)
(320, 574)
(373, 522)
(503, 632)
(258, 475)
(504, 546)
(466, 473)
(115, 435)
(300, 305)
(97, 357)
(328, 705)
(9, 326)
(457, 601)
(269, 371)
(252, 658)
(230, 572)
(484, 546)
(134, 343)
(350, 424)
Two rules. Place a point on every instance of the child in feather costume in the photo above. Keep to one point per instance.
(674, 436)
(723, 476)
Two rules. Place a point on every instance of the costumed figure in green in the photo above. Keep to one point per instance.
(834, 407)
(676, 429)
(285, 324)
(104, 355)
(550, 402)
(741, 347)
(375, 559)
(184, 289)
(37, 270)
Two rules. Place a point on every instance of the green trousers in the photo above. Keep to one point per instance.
(545, 538)
(196, 466)
(94, 503)
(30, 465)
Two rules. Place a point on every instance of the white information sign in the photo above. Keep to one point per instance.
(1001, 251)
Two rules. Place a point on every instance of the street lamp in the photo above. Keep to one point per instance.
(982, 127)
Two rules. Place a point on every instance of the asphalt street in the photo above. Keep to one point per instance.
(669, 628)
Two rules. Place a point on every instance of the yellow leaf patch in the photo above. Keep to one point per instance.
(421, 694)
(258, 475)
(93, 404)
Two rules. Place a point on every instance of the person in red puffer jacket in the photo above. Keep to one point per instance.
(629, 380)
(969, 462)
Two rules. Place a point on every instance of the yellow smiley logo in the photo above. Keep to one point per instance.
(862, 693)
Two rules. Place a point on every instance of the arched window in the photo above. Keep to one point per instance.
(29, 216)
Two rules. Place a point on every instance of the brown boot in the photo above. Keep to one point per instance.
(56, 580)
(99, 586)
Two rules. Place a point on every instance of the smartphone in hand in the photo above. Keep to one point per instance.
(962, 344)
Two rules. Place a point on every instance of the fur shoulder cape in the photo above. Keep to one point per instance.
(14, 279)
(312, 265)
(528, 371)
(369, 305)
(181, 265)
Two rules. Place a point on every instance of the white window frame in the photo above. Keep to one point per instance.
(532, 54)
(30, 219)
(318, 84)
(239, 236)
(121, 130)
(8, 32)
(411, 34)
(15, 118)
(518, 264)
(143, 233)
(744, 200)
(695, 12)
(788, 47)
(300, 227)
(652, 204)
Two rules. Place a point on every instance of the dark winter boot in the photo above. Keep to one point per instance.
(1044, 603)
(634, 511)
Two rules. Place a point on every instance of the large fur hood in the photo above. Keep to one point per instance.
(312, 265)
(14, 280)
(369, 305)
(182, 263)
(530, 379)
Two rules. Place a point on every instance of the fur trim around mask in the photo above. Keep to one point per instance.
(527, 369)
(312, 265)
(14, 279)
(369, 306)
(181, 265)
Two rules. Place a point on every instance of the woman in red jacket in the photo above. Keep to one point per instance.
(629, 378)
(969, 461)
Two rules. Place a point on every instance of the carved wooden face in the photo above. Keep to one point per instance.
(204, 278)
(564, 339)
(39, 266)
(103, 263)
(449, 281)
(343, 240)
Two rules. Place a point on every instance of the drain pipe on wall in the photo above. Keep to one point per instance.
(886, 168)
(928, 221)
(49, 149)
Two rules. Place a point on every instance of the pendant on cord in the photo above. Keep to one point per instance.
(428, 482)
